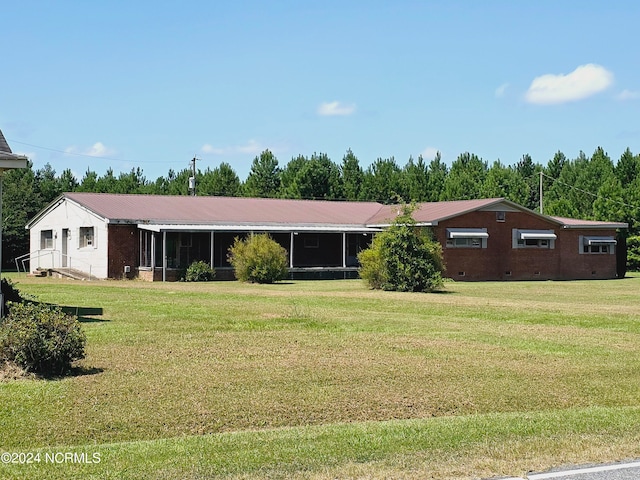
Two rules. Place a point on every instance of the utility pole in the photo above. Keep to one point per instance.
(541, 212)
(192, 178)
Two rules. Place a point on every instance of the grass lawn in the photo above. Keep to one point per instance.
(326, 379)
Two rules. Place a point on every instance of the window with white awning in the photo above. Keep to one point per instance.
(467, 237)
(533, 238)
(588, 244)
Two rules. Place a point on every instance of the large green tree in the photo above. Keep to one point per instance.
(465, 179)
(264, 177)
(382, 181)
(352, 176)
(221, 181)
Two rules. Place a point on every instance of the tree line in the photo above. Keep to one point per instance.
(586, 187)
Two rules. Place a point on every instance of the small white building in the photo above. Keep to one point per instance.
(69, 236)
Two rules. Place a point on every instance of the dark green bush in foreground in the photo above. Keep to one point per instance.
(199, 272)
(259, 259)
(41, 339)
(9, 294)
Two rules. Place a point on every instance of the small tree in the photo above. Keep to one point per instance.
(633, 253)
(258, 259)
(41, 339)
(403, 258)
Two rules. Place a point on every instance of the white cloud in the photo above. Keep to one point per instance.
(584, 81)
(429, 153)
(332, 109)
(628, 95)
(98, 149)
(501, 90)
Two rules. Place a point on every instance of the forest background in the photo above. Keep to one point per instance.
(586, 187)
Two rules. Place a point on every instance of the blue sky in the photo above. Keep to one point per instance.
(127, 84)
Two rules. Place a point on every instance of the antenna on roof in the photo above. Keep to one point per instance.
(192, 178)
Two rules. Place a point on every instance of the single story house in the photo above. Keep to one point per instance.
(155, 237)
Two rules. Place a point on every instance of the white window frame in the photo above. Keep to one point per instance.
(85, 240)
(46, 241)
(593, 245)
(540, 239)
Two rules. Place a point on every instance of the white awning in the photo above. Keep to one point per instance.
(467, 233)
(600, 241)
(537, 235)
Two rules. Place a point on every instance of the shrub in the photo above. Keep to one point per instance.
(199, 272)
(41, 339)
(633, 253)
(403, 258)
(9, 294)
(258, 259)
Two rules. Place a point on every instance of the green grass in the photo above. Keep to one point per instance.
(330, 380)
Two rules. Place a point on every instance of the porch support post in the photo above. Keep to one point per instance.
(291, 251)
(213, 249)
(344, 249)
(164, 256)
(153, 251)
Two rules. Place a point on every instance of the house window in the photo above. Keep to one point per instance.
(467, 237)
(46, 240)
(534, 238)
(86, 237)
(597, 245)
(501, 216)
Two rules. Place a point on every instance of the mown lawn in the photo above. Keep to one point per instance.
(327, 380)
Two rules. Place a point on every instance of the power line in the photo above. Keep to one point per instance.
(595, 195)
(66, 152)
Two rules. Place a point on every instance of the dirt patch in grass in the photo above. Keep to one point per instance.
(10, 371)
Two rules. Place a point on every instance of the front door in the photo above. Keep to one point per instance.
(65, 239)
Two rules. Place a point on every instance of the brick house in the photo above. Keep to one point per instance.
(155, 237)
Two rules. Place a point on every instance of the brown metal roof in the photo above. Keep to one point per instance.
(432, 212)
(575, 223)
(224, 210)
(174, 210)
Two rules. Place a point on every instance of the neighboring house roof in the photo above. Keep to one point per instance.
(173, 212)
(8, 159)
(4, 146)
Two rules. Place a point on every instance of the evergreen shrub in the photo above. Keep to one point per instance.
(403, 258)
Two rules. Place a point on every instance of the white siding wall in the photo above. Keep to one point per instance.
(67, 215)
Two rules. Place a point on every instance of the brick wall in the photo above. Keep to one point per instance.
(500, 261)
(124, 249)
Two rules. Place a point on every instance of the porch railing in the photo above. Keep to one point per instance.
(27, 257)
